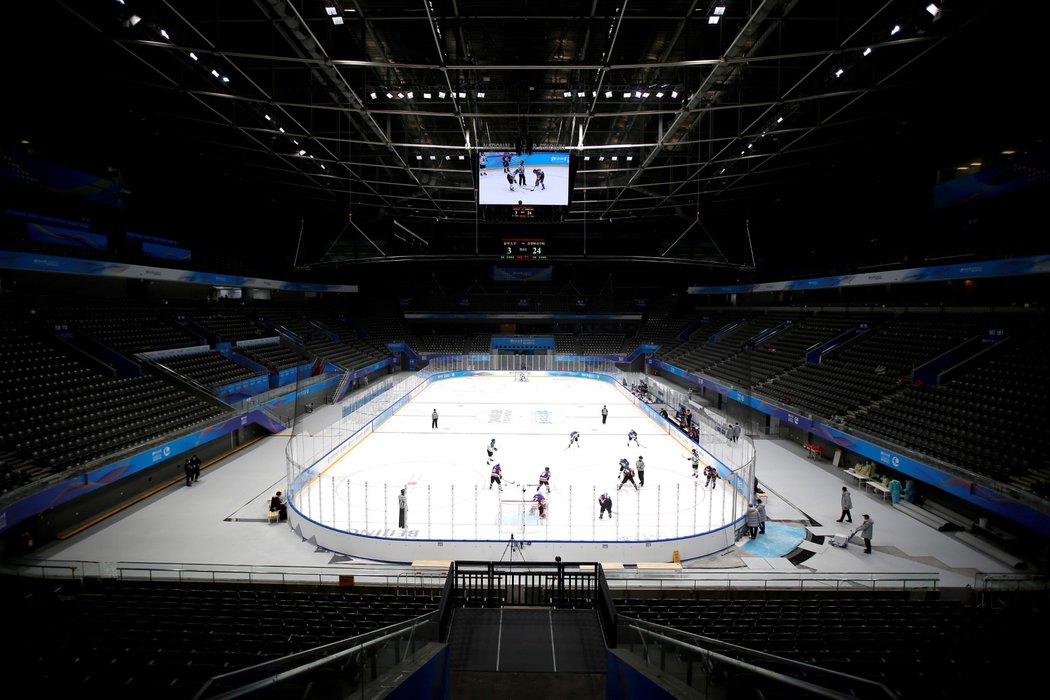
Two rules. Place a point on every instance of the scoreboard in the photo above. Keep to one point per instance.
(523, 249)
(522, 212)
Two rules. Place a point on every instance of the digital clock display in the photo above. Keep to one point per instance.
(523, 249)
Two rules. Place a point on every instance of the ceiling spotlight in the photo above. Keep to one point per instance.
(268, 117)
(372, 95)
(616, 157)
(225, 79)
(586, 157)
(193, 56)
(461, 157)
(645, 94)
(601, 157)
(419, 157)
(164, 33)
(720, 10)
(713, 19)
(630, 158)
(427, 95)
(400, 95)
(133, 20)
(389, 96)
(448, 157)
(411, 95)
(433, 157)
(581, 93)
(302, 151)
(462, 95)
(722, 171)
(215, 72)
(566, 94)
(674, 94)
(896, 28)
(626, 95)
(637, 93)
(441, 94)
(322, 166)
(934, 11)
(295, 142)
(660, 94)
(867, 52)
(337, 20)
(780, 119)
(594, 93)
(330, 9)
(839, 72)
(608, 94)
(281, 129)
(481, 95)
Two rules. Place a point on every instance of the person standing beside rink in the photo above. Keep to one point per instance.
(847, 505)
(640, 467)
(402, 509)
(864, 530)
(434, 418)
(605, 413)
(753, 521)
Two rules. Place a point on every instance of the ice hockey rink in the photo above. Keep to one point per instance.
(446, 471)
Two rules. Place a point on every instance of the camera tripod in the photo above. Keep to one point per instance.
(513, 546)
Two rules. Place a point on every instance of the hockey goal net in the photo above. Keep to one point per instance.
(515, 512)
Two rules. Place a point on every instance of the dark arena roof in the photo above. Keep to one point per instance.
(725, 142)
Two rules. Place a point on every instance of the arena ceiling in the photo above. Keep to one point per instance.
(734, 127)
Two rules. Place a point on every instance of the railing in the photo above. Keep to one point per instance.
(720, 669)
(350, 668)
(619, 583)
(497, 584)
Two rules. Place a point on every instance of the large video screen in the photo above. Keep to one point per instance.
(537, 179)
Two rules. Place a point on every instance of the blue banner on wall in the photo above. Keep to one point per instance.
(1032, 265)
(165, 252)
(72, 238)
(143, 238)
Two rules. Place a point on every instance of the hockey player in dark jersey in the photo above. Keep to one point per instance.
(606, 503)
(632, 435)
(545, 480)
(541, 504)
(539, 179)
(627, 473)
(574, 436)
(496, 477)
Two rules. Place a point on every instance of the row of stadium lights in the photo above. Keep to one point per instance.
(932, 9)
(460, 156)
(134, 20)
(480, 94)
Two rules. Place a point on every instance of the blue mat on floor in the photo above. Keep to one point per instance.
(779, 540)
